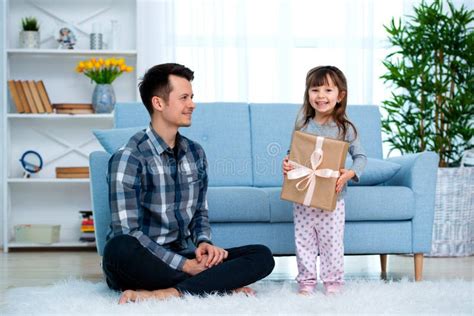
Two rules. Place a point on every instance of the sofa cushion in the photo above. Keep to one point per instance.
(238, 204)
(223, 130)
(226, 141)
(362, 204)
(367, 120)
(130, 114)
(113, 139)
(272, 126)
(376, 171)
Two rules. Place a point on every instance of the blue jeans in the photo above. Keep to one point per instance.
(128, 265)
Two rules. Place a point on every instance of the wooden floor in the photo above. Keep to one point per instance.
(36, 268)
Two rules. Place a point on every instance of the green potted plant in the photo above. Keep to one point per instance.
(430, 71)
(29, 36)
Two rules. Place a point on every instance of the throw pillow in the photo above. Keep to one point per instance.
(376, 171)
(113, 139)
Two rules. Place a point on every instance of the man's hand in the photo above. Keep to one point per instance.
(286, 165)
(215, 255)
(193, 267)
(345, 176)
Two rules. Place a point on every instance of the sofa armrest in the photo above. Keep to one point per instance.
(98, 162)
(419, 172)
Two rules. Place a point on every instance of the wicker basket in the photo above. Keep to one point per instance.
(453, 227)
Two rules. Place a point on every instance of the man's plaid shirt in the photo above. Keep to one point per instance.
(160, 200)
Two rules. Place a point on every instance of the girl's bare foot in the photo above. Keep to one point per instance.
(246, 290)
(141, 295)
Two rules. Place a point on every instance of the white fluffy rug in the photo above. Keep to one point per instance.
(77, 297)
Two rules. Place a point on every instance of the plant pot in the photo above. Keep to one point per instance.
(103, 98)
(29, 39)
(453, 227)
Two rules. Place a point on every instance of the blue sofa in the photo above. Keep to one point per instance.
(389, 212)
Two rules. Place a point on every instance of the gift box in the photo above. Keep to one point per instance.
(316, 161)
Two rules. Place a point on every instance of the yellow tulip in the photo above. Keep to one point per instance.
(95, 68)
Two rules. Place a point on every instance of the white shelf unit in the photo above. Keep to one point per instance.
(54, 116)
(46, 180)
(65, 244)
(76, 52)
(61, 139)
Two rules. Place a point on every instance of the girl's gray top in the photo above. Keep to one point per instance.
(330, 130)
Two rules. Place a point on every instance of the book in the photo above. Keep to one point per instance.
(88, 221)
(87, 234)
(44, 96)
(74, 111)
(15, 96)
(36, 97)
(72, 172)
(87, 237)
(21, 93)
(29, 97)
(86, 214)
(72, 169)
(87, 227)
(72, 175)
(72, 105)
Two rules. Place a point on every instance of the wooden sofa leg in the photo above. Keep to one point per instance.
(418, 266)
(383, 263)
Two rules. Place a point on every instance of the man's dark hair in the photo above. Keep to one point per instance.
(156, 82)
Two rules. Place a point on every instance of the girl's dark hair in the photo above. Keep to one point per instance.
(319, 76)
(156, 82)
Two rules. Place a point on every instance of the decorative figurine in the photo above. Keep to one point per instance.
(66, 39)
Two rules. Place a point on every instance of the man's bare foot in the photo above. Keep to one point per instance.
(304, 293)
(142, 295)
(246, 290)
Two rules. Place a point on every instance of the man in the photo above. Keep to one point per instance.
(158, 186)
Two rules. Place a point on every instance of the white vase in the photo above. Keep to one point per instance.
(29, 39)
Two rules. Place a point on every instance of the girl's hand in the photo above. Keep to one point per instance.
(345, 176)
(286, 165)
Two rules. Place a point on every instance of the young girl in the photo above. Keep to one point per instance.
(317, 231)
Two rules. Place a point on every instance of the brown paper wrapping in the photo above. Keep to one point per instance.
(334, 157)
